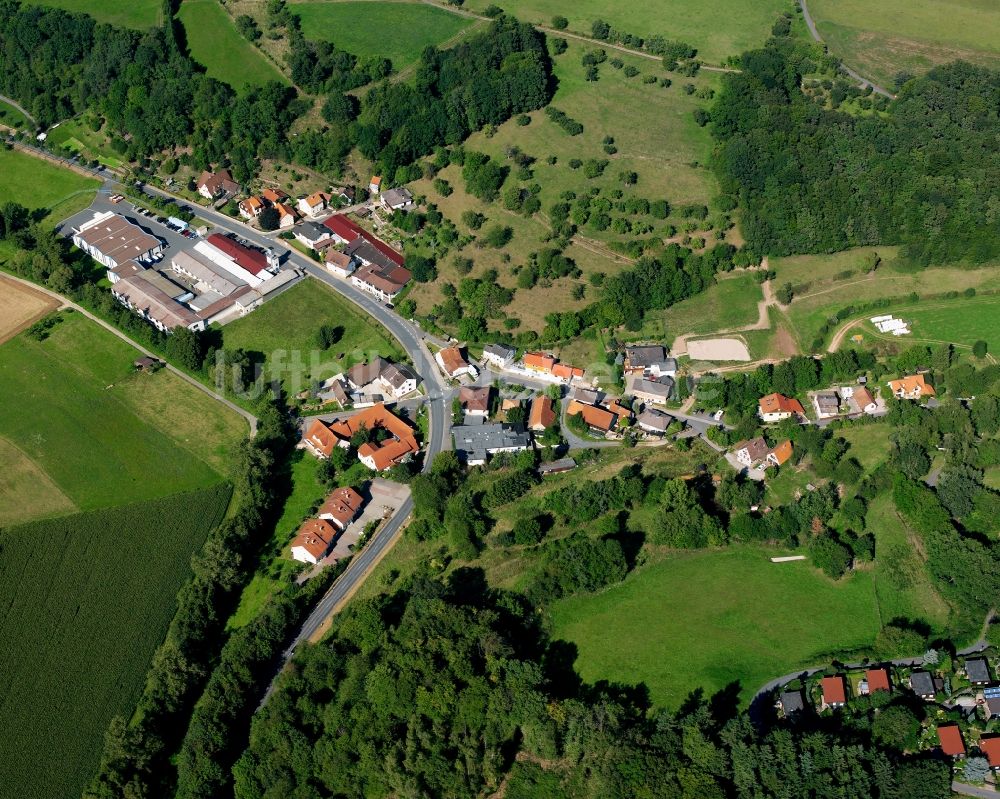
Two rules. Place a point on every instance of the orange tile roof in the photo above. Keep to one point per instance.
(542, 413)
(595, 417)
(540, 361)
(343, 505)
(376, 180)
(618, 410)
(320, 437)
(252, 203)
(315, 537)
(317, 198)
(782, 452)
(912, 384)
(565, 370)
(391, 450)
(779, 403)
(951, 739)
(834, 690)
(878, 680)
(274, 195)
(863, 397)
(452, 359)
(284, 210)
(990, 746)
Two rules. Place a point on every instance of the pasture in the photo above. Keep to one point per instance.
(138, 14)
(99, 430)
(36, 183)
(398, 31)
(718, 28)
(684, 622)
(881, 39)
(20, 306)
(281, 334)
(729, 304)
(84, 602)
(215, 43)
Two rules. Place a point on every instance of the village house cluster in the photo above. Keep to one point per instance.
(317, 536)
(389, 442)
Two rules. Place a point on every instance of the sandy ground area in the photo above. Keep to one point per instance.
(20, 307)
(718, 349)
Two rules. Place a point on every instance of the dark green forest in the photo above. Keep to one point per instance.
(450, 690)
(925, 174)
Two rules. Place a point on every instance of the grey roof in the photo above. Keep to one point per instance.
(361, 374)
(313, 231)
(585, 395)
(666, 365)
(204, 271)
(501, 351)
(653, 419)
(978, 670)
(480, 440)
(791, 701)
(827, 400)
(659, 388)
(396, 196)
(645, 355)
(396, 374)
(368, 253)
(561, 465)
(922, 683)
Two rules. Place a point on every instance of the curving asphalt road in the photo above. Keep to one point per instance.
(858, 77)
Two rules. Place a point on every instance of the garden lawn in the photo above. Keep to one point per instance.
(138, 14)
(100, 430)
(398, 31)
(84, 602)
(869, 444)
(215, 43)
(717, 28)
(882, 39)
(35, 183)
(77, 137)
(708, 619)
(282, 330)
(13, 118)
(963, 321)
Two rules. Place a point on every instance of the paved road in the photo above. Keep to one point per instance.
(974, 790)
(250, 418)
(11, 101)
(859, 78)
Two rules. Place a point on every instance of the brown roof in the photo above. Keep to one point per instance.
(343, 505)
(361, 374)
(119, 239)
(990, 746)
(779, 403)
(756, 448)
(390, 281)
(834, 690)
(315, 537)
(782, 452)
(317, 198)
(475, 399)
(863, 397)
(337, 258)
(452, 359)
(218, 181)
(539, 360)
(542, 413)
(951, 739)
(597, 418)
(618, 410)
(878, 680)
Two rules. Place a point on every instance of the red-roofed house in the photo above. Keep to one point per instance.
(566, 372)
(341, 507)
(780, 454)
(990, 746)
(912, 387)
(344, 230)
(595, 418)
(273, 196)
(775, 407)
(313, 541)
(878, 680)
(215, 184)
(320, 440)
(453, 363)
(834, 691)
(539, 362)
(542, 414)
(253, 261)
(950, 737)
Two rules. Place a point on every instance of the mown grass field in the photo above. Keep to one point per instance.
(84, 602)
(718, 28)
(655, 136)
(35, 183)
(215, 43)
(77, 137)
(104, 434)
(398, 31)
(282, 331)
(138, 14)
(881, 39)
(684, 622)
(730, 303)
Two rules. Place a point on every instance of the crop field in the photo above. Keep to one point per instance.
(718, 28)
(94, 426)
(27, 492)
(661, 143)
(35, 183)
(21, 306)
(881, 39)
(654, 627)
(398, 31)
(281, 332)
(138, 14)
(84, 602)
(215, 43)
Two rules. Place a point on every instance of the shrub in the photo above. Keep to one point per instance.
(560, 23)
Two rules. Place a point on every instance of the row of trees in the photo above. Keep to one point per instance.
(925, 175)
